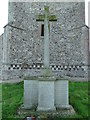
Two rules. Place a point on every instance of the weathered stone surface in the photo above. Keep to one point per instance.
(46, 96)
(1, 38)
(61, 94)
(46, 93)
(30, 93)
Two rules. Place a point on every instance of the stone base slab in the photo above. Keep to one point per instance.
(59, 112)
(63, 107)
(46, 109)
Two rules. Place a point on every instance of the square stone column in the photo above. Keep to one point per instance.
(46, 94)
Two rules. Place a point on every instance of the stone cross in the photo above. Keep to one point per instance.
(46, 18)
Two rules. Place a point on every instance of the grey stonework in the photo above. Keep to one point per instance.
(23, 47)
(1, 40)
(39, 90)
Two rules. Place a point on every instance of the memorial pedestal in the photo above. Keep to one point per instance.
(46, 93)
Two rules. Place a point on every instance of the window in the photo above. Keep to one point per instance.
(42, 30)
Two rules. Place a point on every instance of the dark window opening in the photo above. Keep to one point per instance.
(42, 30)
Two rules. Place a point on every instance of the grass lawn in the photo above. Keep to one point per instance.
(78, 93)
(12, 97)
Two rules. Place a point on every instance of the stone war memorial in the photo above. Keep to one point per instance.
(46, 45)
(46, 90)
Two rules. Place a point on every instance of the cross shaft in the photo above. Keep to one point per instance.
(46, 18)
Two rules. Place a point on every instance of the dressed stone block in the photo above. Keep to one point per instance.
(46, 96)
(30, 93)
(61, 93)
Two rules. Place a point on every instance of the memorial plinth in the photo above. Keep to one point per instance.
(46, 93)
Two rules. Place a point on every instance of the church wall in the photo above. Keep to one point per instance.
(68, 20)
(68, 40)
(1, 41)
